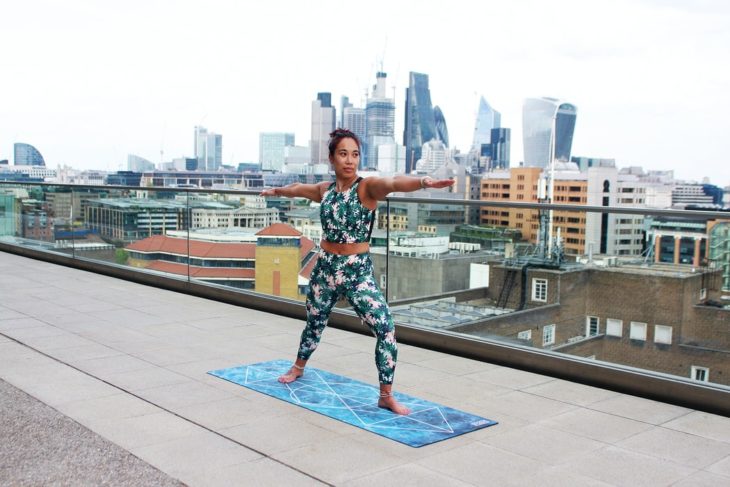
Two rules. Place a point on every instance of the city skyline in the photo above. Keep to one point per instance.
(648, 77)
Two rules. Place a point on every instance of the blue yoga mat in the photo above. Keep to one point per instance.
(356, 403)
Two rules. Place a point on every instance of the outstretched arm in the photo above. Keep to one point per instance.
(296, 190)
(379, 188)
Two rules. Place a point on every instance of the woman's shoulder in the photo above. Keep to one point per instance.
(363, 194)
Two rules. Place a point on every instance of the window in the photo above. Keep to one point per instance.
(548, 335)
(614, 328)
(525, 335)
(592, 328)
(638, 331)
(663, 334)
(539, 290)
(701, 374)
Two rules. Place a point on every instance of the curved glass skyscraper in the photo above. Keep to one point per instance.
(546, 123)
(27, 155)
(420, 124)
(442, 132)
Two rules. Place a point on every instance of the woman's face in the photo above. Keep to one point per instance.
(346, 158)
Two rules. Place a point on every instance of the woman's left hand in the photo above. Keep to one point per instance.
(428, 182)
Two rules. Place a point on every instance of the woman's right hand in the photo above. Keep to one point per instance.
(268, 192)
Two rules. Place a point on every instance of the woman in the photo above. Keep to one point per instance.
(344, 267)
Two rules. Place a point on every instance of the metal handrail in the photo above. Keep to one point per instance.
(632, 210)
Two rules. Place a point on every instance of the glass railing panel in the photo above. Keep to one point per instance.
(243, 241)
(642, 291)
(430, 248)
(37, 216)
(141, 228)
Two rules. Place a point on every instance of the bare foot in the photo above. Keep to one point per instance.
(293, 374)
(389, 402)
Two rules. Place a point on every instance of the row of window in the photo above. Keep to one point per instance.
(637, 330)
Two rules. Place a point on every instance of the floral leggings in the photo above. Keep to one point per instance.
(352, 276)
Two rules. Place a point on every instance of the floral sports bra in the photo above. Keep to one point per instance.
(344, 218)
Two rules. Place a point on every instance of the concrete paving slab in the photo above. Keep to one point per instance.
(337, 460)
(510, 378)
(618, 466)
(407, 476)
(678, 447)
(146, 378)
(275, 434)
(261, 472)
(478, 463)
(456, 365)
(200, 454)
(181, 394)
(149, 429)
(596, 425)
(571, 392)
(720, 468)
(703, 479)
(702, 424)
(639, 409)
(546, 445)
(116, 406)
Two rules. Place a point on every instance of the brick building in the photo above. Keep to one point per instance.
(661, 318)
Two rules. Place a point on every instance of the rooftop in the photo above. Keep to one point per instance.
(129, 363)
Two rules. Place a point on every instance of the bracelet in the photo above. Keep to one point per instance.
(423, 182)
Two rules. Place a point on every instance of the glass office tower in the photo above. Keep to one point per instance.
(380, 126)
(547, 123)
(487, 119)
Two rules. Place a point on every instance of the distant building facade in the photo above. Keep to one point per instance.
(272, 149)
(202, 179)
(323, 123)
(208, 149)
(27, 155)
(139, 164)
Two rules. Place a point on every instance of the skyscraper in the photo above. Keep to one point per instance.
(499, 148)
(546, 123)
(487, 119)
(380, 126)
(27, 155)
(354, 119)
(323, 123)
(271, 149)
(208, 149)
(344, 103)
(420, 124)
(442, 133)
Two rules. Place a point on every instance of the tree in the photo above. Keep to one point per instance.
(121, 256)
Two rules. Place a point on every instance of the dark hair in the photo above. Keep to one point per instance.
(338, 135)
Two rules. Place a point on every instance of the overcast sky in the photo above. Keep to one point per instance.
(88, 82)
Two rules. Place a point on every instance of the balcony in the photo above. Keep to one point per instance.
(128, 361)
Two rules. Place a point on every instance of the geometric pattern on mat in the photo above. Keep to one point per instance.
(355, 403)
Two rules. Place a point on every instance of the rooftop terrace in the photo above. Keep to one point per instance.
(129, 363)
